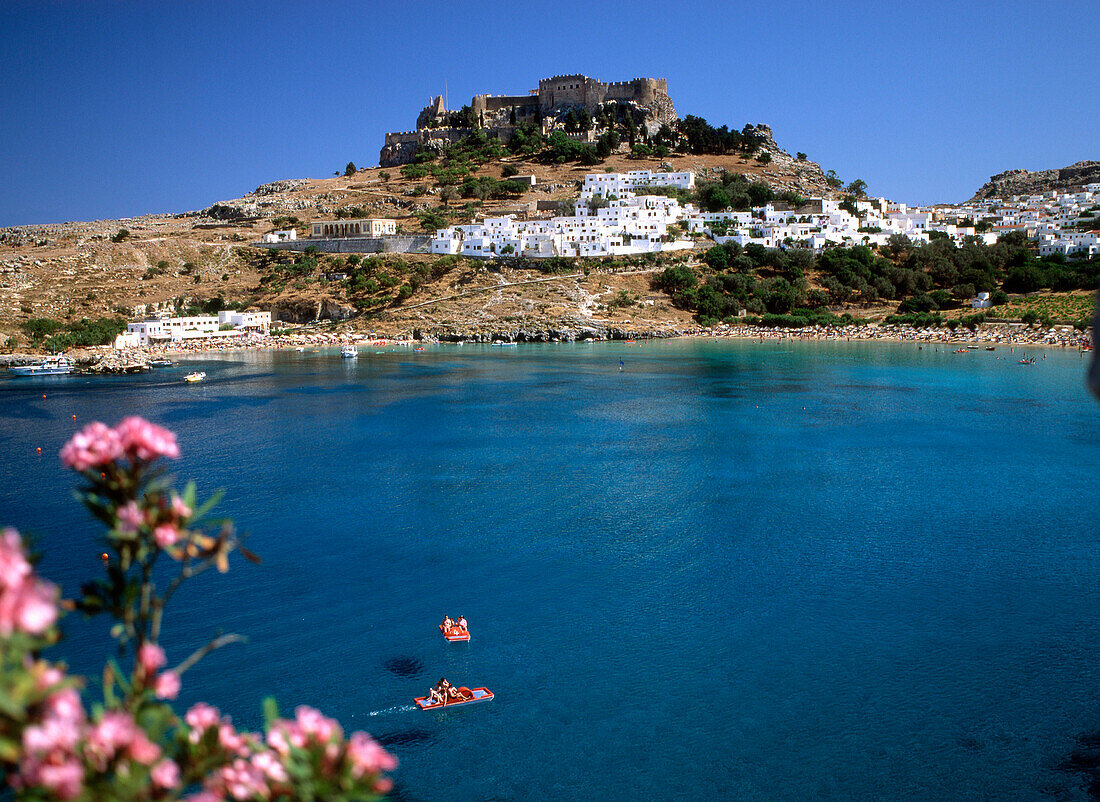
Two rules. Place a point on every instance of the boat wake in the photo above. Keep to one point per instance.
(391, 710)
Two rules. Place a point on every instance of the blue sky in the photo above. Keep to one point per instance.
(126, 108)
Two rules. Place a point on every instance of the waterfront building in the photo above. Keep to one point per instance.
(169, 329)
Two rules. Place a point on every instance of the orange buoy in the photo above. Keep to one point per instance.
(39, 450)
(43, 395)
(104, 557)
(74, 417)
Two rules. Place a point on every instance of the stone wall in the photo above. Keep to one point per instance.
(399, 243)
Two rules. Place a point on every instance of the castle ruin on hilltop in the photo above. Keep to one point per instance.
(544, 107)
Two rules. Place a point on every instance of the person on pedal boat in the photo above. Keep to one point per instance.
(461, 624)
(438, 693)
(448, 625)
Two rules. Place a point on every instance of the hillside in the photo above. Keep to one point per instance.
(1033, 182)
(136, 266)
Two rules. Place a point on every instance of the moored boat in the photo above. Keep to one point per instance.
(197, 376)
(349, 352)
(59, 365)
(472, 696)
(161, 363)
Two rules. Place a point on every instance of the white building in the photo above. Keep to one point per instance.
(172, 329)
(609, 220)
(352, 228)
(281, 236)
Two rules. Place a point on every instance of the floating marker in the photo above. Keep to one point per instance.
(39, 450)
(74, 417)
(43, 395)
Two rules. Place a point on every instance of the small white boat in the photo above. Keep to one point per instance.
(349, 352)
(197, 376)
(160, 363)
(50, 366)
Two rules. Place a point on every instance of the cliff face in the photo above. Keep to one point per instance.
(1028, 182)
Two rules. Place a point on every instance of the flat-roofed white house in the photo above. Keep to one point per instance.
(224, 324)
(352, 228)
(281, 236)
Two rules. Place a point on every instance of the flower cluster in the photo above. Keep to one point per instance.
(133, 746)
(27, 604)
(136, 439)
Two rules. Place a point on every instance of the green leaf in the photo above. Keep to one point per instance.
(207, 505)
(271, 712)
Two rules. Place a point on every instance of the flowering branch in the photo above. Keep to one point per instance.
(133, 746)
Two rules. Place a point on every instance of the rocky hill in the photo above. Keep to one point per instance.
(1030, 182)
(171, 262)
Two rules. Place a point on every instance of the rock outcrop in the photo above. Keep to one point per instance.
(1031, 182)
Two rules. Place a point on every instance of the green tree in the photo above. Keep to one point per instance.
(350, 169)
(857, 188)
(432, 220)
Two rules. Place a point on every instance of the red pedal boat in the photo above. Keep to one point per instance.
(455, 634)
(470, 696)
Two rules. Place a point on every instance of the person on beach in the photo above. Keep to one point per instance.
(461, 623)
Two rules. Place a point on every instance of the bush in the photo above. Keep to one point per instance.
(509, 170)
(122, 234)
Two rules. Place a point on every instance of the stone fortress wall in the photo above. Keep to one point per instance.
(553, 95)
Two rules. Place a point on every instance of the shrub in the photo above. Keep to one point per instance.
(122, 234)
(509, 170)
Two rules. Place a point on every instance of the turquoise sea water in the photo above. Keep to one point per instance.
(731, 570)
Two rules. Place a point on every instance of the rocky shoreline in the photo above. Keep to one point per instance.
(136, 360)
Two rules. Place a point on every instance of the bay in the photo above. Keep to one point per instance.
(778, 570)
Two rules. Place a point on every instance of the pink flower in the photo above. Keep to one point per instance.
(166, 535)
(242, 780)
(166, 774)
(50, 676)
(14, 567)
(130, 517)
(231, 740)
(51, 736)
(29, 607)
(383, 785)
(203, 796)
(65, 705)
(269, 764)
(200, 718)
(93, 446)
(180, 509)
(276, 739)
(313, 723)
(65, 779)
(114, 732)
(167, 685)
(151, 658)
(145, 441)
(142, 749)
(367, 757)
